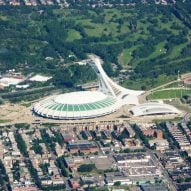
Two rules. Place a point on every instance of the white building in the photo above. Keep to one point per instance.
(88, 104)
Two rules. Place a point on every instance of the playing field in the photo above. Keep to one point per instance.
(168, 94)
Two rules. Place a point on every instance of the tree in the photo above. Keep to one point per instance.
(61, 165)
(118, 183)
(21, 144)
(86, 168)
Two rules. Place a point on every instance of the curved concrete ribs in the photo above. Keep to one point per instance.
(109, 87)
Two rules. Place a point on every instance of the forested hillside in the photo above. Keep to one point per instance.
(152, 41)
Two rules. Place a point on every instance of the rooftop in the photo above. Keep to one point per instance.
(153, 108)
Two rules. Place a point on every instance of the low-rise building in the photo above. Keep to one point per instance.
(83, 146)
(132, 158)
(74, 183)
(73, 162)
(179, 137)
(154, 188)
(129, 130)
(112, 177)
(161, 145)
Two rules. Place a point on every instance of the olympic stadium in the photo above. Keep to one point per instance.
(77, 105)
(109, 98)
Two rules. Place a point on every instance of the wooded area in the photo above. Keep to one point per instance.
(153, 41)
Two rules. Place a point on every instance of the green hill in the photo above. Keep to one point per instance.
(153, 40)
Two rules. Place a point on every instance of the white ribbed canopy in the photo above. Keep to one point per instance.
(81, 97)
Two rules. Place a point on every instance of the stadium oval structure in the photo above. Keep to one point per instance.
(153, 109)
(88, 104)
(77, 105)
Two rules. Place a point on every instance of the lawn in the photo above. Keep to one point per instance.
(73, 35)
(168, 94)
(95, 31)
(111, 13)
(147, 83)
(159, 50)
(176, 50)
(98, 29)
(126, 56)
(175, 85)
(181, 60)
(4, 120)
(3, 18)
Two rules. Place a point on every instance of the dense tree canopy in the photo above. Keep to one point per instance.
(155, 40)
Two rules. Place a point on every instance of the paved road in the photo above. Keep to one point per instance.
(68, 188)
(165, 173)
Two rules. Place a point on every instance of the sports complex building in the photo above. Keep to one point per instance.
(153, 109)
(90, 104)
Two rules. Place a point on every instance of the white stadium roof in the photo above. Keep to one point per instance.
(88, 104)
(153, 109)
(107, 99)
(77, 105)
(82, 97)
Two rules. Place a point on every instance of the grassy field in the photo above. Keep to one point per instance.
(157, 51)
(73, 35)
(147, 83)
(177, 50)
(126, 56)
(168, 94)
(4, 121)
(175, 85)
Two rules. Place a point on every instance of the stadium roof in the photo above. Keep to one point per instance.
(153, 109)
(107, 99)
(75, 105)
(88, 104)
